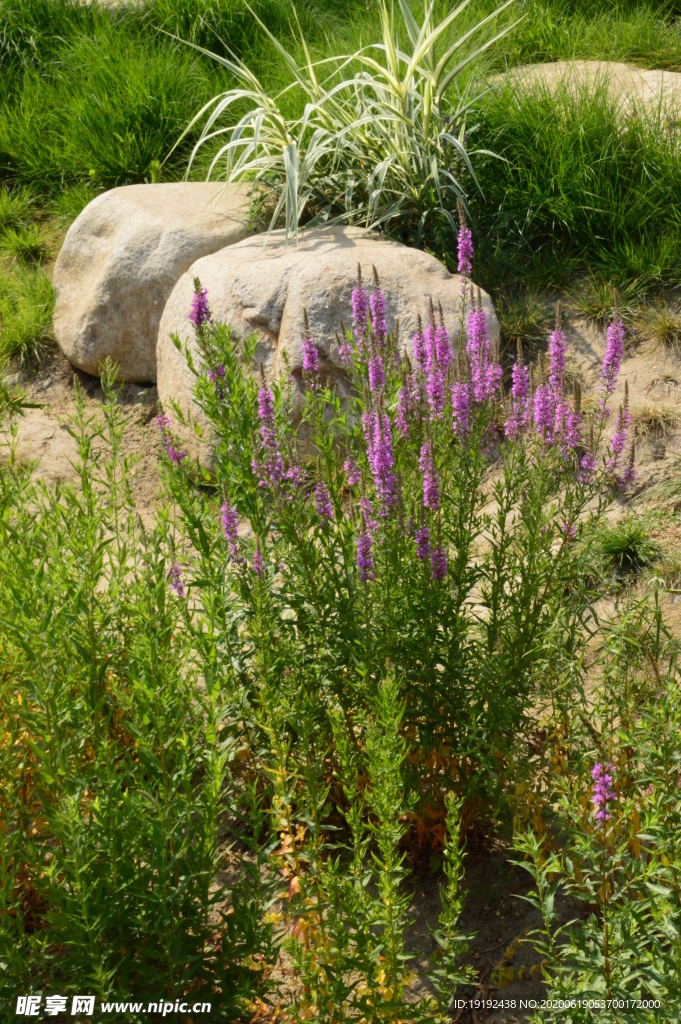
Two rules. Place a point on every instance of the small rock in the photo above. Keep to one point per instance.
(46, 384)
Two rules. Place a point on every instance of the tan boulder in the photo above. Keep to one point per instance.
(264, 285)
(120, 260)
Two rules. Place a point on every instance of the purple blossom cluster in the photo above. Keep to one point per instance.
(200, 311)
(176, 581)
(378, 438)
(465, 244)
(176, 455)
(603, 791)
(431, 480)
(230, 525)
(322, 501)
(217, 377)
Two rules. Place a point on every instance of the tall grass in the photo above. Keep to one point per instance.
(580, 187)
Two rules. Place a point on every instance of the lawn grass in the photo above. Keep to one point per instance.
(90, 99)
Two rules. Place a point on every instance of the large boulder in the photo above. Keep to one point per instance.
(263, 284)
(119, 262)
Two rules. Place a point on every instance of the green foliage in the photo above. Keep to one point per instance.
(618, 859)
(26, 304)
(115, 764)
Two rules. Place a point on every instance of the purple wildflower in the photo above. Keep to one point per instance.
(345, 348)
(200, 312)
(519, 420)
(443, 349)
(217, 377)
(376, 373)
(365, 558)
(230, 524)
(438, 563)
(603, 791)
(569, 530)
(351, 471)
(406, 403)
(557, 346)
(587, 468)
(258, 561)
(544, 411)
(366, 507)
(377, 303)
(273, 470)
(174, 454)
(619, 438)
(360, 307)
(629, 475)
(419, 342)
(611, 362)
(465, 244)
(423, 543)
(460, 408)
(477, 349)
(378, 439)
(310, 357)
(435, 384)
(322, 501)
(431, 482)
(176, 581)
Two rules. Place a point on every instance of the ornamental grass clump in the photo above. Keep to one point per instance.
(379, 136)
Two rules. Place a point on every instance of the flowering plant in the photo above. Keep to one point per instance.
(428, 524)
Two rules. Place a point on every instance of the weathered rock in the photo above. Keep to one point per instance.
(120, 260)
(631, 86)
(263, 285)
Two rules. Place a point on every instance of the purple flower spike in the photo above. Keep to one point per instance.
(614, 351)
(544, 412)
(619, 439)
(360, 308)
(366, 507)
(258, 562)
(310, 357)
(351, 471)
(465, 244)
(422, 537)
(438, 563)
(519, 420)
(460, 408)
(431, 482)
(272, 471)
(322, 501)
(378, 437)
(200, 312)
(377, 303)
(174, 454)
(420, 354)
(365, 558)
(376, 374)
(557, 346)
(230, 524)
(176, 581)
(603, 791)
(587, 468)
(477, 349)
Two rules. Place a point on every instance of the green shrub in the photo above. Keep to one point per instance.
(626, 547)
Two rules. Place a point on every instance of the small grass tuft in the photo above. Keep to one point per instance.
(525, 318)
(626, 547)
(26, 245)
(660, 325)
(15, 208)
(26, 304)
(594, 298)
(655, 419)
